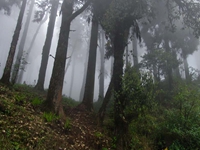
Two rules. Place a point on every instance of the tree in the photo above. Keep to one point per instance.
(102, 66)
(187, 11)
(7, 70)
(54, 95)
(117, 22)
(102, 110)
(98, 11)
(89, 85)
(84, 78)
(19, 60)
(158, 61)
(72, 78)
(187, 43)
(135, 51)
(120, 17)
(87, 38)
(167, 31)
(47, 45)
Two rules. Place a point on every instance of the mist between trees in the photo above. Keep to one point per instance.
(103, 52)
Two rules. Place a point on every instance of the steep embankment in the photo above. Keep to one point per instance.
(24, 126)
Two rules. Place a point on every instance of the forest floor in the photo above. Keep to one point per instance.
(23, 125)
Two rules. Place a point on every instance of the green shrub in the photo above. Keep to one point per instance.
(69, 101)
(139, 92)
(50, 117)
(98, 134)
(182, 122)
(176, 146)
(36, 101)
(67, 124)
(20, 98)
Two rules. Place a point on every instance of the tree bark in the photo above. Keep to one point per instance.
(119, 104)
(17, 65)
(185, 63)
(47, 46)
(90, 77)
(176, 71)
(7, 70)
(169, 69)
(72, 78)
(126, 56)
(85, 71)
(84, 79)
(112, 63)
(54, 95)
(187, 76)
(102, 110)
(135, 52)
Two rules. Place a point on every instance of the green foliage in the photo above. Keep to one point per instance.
(98, 134)
(176, 146)
(121, 14)
(4, 89)
(20, 98)
(36, 101)
(182, 122)
(50, 117)
(114, 142)
(139, 92)
(97, 105)
(69, 101)
(160, 61)
(194, 75)
(16, 145)
(67, 124)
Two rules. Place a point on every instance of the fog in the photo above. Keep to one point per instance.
(78, 39)
(78, 50)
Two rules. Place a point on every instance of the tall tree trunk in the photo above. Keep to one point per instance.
(21, 72)
(126, 58)
(68, 63)
(169, 69)
(84, 79)
(185, 63)
(156, 73)
(112, 63)
(85, 66)
(72, 78)
(47, 46)
(101, 76)
(70, 57)
(187, 76)
(135, 52)
(19, 60)
(7, 70)
(176, 71)
(54, 95)
(102, 110)
(119, 104)
(90, 77)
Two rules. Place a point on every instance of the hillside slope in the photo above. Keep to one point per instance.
(23, 125)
